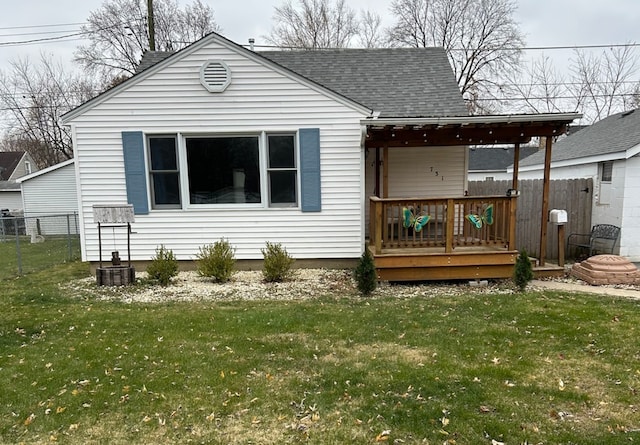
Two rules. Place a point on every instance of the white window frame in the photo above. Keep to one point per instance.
(263, 162)
(295, 168)
(150, 172)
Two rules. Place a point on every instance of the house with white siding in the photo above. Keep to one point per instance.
(50, 197)
(218, 141)
(608, 152)
(13, 165)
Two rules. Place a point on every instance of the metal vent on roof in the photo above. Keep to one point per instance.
(215, 76)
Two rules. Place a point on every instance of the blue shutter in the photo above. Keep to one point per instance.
(135, 171)
(310, 194)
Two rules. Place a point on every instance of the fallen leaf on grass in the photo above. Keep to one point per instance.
(383, 436)
(30, 418)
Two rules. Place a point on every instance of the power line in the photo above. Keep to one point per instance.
(39, 33)
(41, 26)
(43, 40)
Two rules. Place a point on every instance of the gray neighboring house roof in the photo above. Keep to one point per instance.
(496, 158)
(9, 160)
(397, 82)
(614, 134)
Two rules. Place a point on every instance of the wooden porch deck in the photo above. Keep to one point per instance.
(450, 246)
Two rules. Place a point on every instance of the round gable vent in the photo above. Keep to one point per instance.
(215, 76)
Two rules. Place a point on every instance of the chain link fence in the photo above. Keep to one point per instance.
(31, 243)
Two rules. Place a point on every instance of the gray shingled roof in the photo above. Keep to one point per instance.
(150, 58)
(9, 160)
(498, 158)
(398, 82)
(614, 134)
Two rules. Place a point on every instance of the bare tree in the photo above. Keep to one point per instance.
(597, 85)
(481, 37)
(118, 33)
(539, 88)
(605, 84)
(313, 24)
(32, 99)
(371, 35)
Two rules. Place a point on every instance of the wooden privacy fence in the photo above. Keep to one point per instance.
(573, 195)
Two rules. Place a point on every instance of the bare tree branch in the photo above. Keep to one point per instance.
(119, 35)
(371, 35)
(32, 99)
(481, 38)
(314, 24)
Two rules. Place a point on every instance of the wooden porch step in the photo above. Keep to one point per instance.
(408, 266)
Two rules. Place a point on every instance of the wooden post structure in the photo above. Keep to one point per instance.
(513, 204)
(385, 171)
(152, 26)
(450, 223)
(561, 245)
(545, 200)
(377, 181)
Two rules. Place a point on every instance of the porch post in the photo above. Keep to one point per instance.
(451, 217)
(545, 200)
(377, 214)
(377, 181)
(385, 171)
(513, 202)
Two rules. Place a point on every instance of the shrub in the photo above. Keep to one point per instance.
(523, 271)
(217, 261)
(164, 266)
(365, 273)
(277, 263)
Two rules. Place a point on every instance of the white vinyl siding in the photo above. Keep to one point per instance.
(258, 99)
(432, 172)
(11, 199)
(52, 193)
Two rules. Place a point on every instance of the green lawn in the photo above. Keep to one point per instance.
(528, 368)
(38, 256)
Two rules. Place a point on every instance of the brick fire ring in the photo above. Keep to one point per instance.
(606, 269)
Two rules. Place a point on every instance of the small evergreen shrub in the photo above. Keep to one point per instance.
(523, 271)
(277, 263)
(217, 261)
(164, 266)
(365, 274)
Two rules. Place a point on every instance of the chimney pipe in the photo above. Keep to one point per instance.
(252, 41)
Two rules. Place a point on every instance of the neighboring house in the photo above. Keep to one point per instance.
(609, 153)
(217, 141)
(13, 164)
(492, 163)
(51, 196)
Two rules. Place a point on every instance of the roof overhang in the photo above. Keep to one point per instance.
(464, 130)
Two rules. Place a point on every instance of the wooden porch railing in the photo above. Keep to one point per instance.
(448, 223)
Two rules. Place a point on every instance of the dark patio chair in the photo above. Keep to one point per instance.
(602, 239)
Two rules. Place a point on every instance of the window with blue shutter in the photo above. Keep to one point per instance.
(135, 171)
(310, 194)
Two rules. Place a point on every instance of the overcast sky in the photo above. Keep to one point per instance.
(545, 22)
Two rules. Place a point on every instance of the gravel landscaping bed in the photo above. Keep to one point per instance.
(249, 285)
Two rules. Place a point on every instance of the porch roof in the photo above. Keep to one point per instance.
(464, 130)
